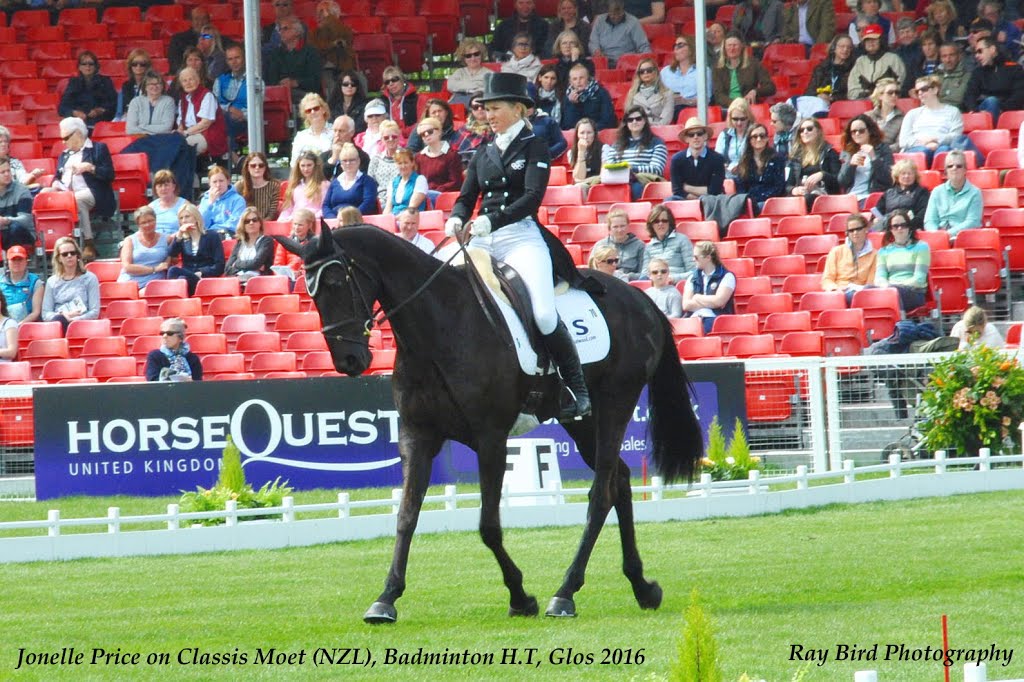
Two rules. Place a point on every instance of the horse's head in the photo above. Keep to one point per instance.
(344, 293)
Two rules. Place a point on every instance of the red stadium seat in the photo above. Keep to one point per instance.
(108, 368)
(729, 326)
(779, 267)
(56, 370)
(741, 267)
(844, 331)
(699, 348)
(160, 290)
(304, 342)
(318, 363)
(263, 363)
(38, 352)
(688, 209)
(56, 216)
(180, 307)
(135, 327)
(31, 331)
(745, 229)
(803, 343)
(14, 372)
(813, 247)
(751, 345)
(234, 325)
(696, 230)
(203, 344)
(225, 306)
(686, 326)
(817, 301)
(881, 310)
(119, 310)
(223, 363)
(80, 330)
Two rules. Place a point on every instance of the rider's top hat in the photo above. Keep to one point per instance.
(506, 87)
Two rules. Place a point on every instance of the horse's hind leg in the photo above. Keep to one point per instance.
(648, 594)
(492, 472)
(417, 455)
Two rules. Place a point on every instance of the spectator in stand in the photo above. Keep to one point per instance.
(926, 62)
(932, 127)
(570, 51)
(199, 17)
(617, 33)
(193, 60)
(407, 188)
(737, 74)
(830, 78)
(709, 291)
(307, 187)
(956, 204)
(17, 226)
(868, 15)
(758, 21)
(351, 187)
(343, 130)
(90, 95)
(568, 20)
(294, 62)
(680, 76)
(468, 78)
(646, 11)
(401, 99)
(549, 130)
(212, 49)
(350, 99)
(441, 111)
(145, 255)
(72, 292)
(733, 139)
(476, 132)
(22, 175)
(137, 66)
(903, 262)
(369, 140)
(942, 19)
(153, 112)
(524, 19)
(637, 145)
(714, 36)
(439, 161)
(333, 40)
(629, 250)
(275, 34)
(253, 254)
(523, 61)
(201, 252)
(383, 168)
(886, 115)
(906, 194)
(675, 248)
(909, 47)
(221, 205)
(650, 93)
(408, 223)
(85, 168)
(549, 93)
(605, 258)
(585, 154)
(697, 170)
(953, 74)
(304, 226)
(784, 120)
(258, 188)
(761, 170)
(1006, 32)
(866, 159)
(996, 85)
(662, 291)
(22, 289)
(200, 119)
(229, 89)
(317, 135)
(975, 329)
(586, 98)
(173, 361)
(813, 163)
(167, 204)
(850, 266)
(809, 22)
(875, 64)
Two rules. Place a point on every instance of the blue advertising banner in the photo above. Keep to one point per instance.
(160, 439)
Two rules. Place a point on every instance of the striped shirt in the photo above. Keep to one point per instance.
(903, 265)
(647, 160)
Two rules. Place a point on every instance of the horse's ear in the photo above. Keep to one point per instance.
(289, 244)
(326, 246)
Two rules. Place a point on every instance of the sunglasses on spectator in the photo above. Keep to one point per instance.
(695, 133)
(659, 272)
(892, 92)
(65, 138)
(979, 50)
(738, 119)
(611, 261)
(144, 64)
(758, 136)
(647, 70)
(206, 36)
(428, 131)
(477, 107)
(521, 45)
(393, 79)
(389, 137)
(954, 166)
(249, 221)
(897, 226)
(807, 129)
(657, 221)
(257, 164)
(68, 254)
(87, 63)
(470, 55)
(347, 84)
(855, 131)
(851, 230)
(634, 119)
(168, 333)
(312, 109)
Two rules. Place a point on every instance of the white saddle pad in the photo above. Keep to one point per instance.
(581, 316)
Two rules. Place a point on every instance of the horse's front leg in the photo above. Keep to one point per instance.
(648, 593)
(491, 454)
(417, 454)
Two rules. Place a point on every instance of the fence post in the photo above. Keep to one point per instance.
(114, 520)
(975, 672)
(985, 464)
(53, 517)
(288, 515)
(343, 508)
(865, 676)
(173, 523)
(657, 488)
(895, 466)
(754, 477)
(801, 477)
(705, 485)
(832, 414)
(231, 513)
(849, 475)
(450, 503)
(559, 496)
(940, 462)
(396, 499)
(816, 409)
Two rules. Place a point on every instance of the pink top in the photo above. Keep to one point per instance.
(299, 200)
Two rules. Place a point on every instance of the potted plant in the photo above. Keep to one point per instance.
(732, 462)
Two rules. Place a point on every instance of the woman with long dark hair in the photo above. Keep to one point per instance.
(585, 153)
(637, 145)
(307, 187)
(866, 158)
(350, 98)
(761, 171)
(830, 78)
(258, 187)
(549, 92)
(903, 261)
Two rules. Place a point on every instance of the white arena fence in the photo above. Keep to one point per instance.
(114, 537)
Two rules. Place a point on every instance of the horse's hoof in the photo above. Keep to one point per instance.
(651, 599)
(380, 613)
(561, 608)
(530, 608)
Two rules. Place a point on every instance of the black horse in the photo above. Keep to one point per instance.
(456, 377)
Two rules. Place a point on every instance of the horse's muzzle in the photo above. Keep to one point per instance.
(350, 359)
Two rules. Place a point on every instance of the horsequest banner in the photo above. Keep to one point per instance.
(334, 432)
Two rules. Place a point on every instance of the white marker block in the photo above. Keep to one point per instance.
(975, 672)
(531, 464)
(865, 676)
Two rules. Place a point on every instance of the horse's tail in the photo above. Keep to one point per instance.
(677, 444)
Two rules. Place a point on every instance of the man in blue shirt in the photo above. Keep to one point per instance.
(698, 170)
(230, 91)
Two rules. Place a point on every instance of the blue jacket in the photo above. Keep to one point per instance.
(697, 281)
(598, 109)
(224, 213)
(771, 182)
(362, 195)
(98, 182)
(209, 259)
(546, 128)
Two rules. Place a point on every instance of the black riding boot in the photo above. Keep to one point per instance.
(563, 352)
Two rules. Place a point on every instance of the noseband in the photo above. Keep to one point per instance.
(315, 271)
